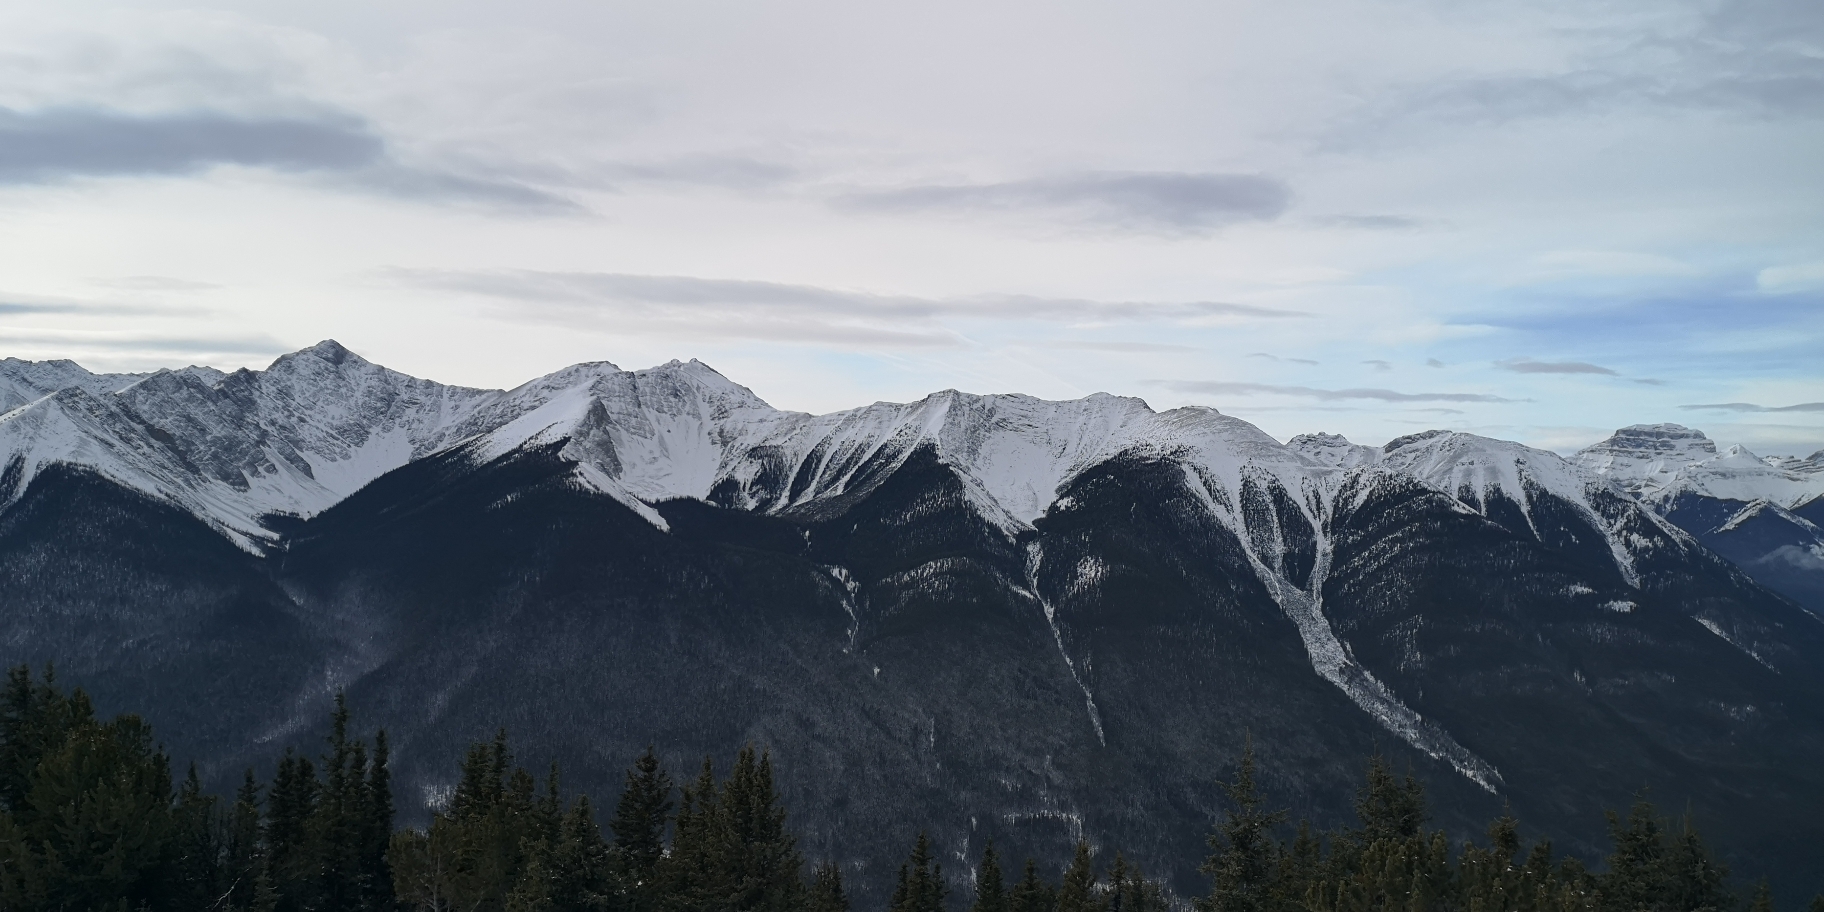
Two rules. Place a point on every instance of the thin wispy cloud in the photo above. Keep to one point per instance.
(1751, 407)
(1375, 222)
(745, 309)
(1121, 347)
(1268, 357)
(158, 283)
(115, 343)
(1379, 365)
(1230, 388)
(1529, 366)
(1169, 202)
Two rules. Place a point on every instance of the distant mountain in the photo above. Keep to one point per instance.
(985, 616)
(1763, 514)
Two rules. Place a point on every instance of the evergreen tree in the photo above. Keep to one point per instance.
(376, 830)
(921, 885)
(639, 832)
(1242, 850)
(94, 826)
(338, 824)
(1033, 894)
(1817, 903)
(1636, 878)
(756, 858)
(243, 861)
(1387, 807)
(1078, 891)
(191, 875)
(1763, 898)
(290, 805)
(1116, 894)
(827, 894)
(1695, 881)
(688, 872)
(990, 891)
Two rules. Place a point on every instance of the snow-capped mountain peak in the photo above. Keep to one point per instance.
(1335, 450)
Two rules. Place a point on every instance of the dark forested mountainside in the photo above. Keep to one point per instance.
(90, 819)
(983, 618)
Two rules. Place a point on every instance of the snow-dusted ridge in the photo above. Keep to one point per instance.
(319, 424)
(1660, 462)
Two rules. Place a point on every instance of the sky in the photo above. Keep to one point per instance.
(1532, 220)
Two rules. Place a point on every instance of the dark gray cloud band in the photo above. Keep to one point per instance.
(744, 309)
(1228, 388)
(59, 144)
(1151, 201)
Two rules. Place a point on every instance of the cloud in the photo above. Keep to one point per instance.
(1746, 58)
(1790, 279)
(66, 142)
(117, 343)
(1265, 356)
(57, 144)
(1648, 381)
(1529, 366)
(1224, 387)
(1433, 362)
(1146, 201)
(1378, 364)
(1751, 407)
(1375, 222)
(744, 309)
(732, 172)
(22, 305)
(1122, 346)
(158, 283)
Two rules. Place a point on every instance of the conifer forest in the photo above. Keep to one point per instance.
(93, 818)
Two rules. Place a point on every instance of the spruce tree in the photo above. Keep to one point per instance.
(243, 860)
(686, 874)
(827, 894)
(1695, 881)
(1387, 807)
(990, 891)
(1817, 903)
(1117, 891)
(1032, 894)
(758, 858)
(639, 832)
(376, 831)
(921, 881)
(290, 805)
(1077, 893)
(1763, 897)
(192, 871)
(1636, 878)
(1242, 850)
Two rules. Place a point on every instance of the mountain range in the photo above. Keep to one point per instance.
(983, 616)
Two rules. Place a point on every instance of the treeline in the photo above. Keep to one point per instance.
(90, 820)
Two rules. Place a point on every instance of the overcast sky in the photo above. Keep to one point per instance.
(1528, 219)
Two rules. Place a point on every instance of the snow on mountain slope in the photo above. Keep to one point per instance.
(1335, 450)
(319, 424)
(1644, 458)
(1476, 470)
(1659, 462)
(232, 448)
